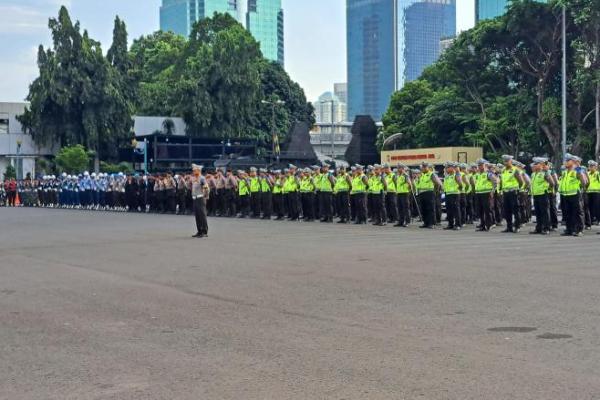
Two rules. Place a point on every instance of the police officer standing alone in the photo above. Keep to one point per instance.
(200, 192)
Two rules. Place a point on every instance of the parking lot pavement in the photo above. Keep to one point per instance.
(100, 305)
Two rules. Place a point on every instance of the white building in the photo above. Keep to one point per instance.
(330, 109)
(16, 147)
(341, 91)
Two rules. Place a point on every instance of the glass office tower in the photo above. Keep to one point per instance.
(422, 24)
(488, 9)
(263, 18)
(390, 42)
(371, 56)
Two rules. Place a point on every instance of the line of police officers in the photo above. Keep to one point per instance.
(492, 194)
(161, 193)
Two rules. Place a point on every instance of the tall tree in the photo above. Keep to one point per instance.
(121, 101)
(219, 78)
(77, 98)
(153, 67)
(586, 15)
(528, 42)
(276, 85)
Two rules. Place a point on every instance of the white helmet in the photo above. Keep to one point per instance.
(52, 176)
(121, 174)
(68, 176)
(64, 174)
(86, 173)
(45, 177)
(93, 174)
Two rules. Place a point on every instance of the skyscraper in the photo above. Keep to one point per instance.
(488, 9)
(422, 24)
(263, 18)
(390, 42)
(341, 91)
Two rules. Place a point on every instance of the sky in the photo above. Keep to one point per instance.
(315, 36)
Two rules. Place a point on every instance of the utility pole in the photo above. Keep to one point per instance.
(564, 82)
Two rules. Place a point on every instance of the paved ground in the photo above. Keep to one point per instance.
(113, 306)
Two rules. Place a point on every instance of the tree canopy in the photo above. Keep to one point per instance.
(216, 80)
(498, 85)
(80, 96)
(72, 159)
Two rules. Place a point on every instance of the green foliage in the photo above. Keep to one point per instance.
(405, 111)
(219, 81)
(72, 159)
(216, 81)
(10, 172)
(80, 97)
(276, 85)
(153, 65)
(109, 168)
(498, 85)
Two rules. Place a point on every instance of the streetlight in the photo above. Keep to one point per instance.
(332, 128)
(275, 138)
(392, 139)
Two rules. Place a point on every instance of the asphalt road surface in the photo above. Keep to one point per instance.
(112, 306)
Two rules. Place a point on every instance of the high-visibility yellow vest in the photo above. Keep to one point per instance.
(277, 187)
(358, 186)
(450, 184)
(570, 185)
(391, 185)
(243, 188)
(307, 185)
(483, 183)
(264, 185)
(539, 184)
(594, 186)
(402, 185)
(509, 181)
(375, 184)
(341, 184)
(324, 184)
(290, 185)
(425, 183)
(254, 185)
